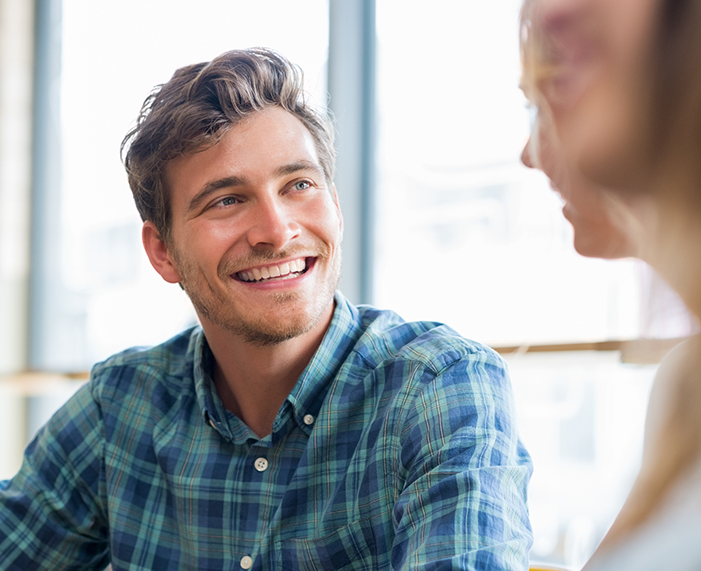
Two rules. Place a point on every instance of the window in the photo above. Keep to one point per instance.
(93, 291)
(459, 214)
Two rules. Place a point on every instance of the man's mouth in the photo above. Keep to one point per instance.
(284, 271)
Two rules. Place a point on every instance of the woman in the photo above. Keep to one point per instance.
(602, 226)
(619, 99)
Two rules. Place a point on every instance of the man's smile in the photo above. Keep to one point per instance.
(282, 271)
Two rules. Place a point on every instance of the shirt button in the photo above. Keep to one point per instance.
(246, 562)
(261, 465)
(211, 423)
(308, 419)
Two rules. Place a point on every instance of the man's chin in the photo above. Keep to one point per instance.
(260, 336)
(271, 328)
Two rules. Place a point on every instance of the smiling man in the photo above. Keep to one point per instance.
(290, 429)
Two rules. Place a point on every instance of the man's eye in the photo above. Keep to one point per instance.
(301, 185)
(227, 201)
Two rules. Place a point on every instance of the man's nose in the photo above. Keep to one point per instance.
(526, 155)
(273, 224)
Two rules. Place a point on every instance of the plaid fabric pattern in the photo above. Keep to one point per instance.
(395, 450)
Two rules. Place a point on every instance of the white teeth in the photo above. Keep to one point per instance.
(283, 271)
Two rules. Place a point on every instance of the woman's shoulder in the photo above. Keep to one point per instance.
(678, 375)
(669, 539)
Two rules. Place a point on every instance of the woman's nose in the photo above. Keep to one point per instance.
(526, 155)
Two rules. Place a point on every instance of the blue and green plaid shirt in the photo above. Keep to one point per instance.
(396, 449)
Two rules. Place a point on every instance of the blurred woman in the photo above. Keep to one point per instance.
(602, 225)
(618, 94)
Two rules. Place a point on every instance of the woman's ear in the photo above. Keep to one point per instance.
(158, 254)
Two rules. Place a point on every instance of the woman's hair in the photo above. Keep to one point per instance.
(536, 68)
(674, 129)
(675, 126)
(533, 60)
(676, 93)
(198, 105)
(538, 64)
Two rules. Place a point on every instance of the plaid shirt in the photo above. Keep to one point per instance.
(396, 449)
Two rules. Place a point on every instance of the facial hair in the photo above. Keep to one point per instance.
(213, 304)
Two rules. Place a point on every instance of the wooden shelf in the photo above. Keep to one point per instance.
(633, 351)
(35, 383)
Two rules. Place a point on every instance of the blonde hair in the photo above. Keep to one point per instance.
(537, 62)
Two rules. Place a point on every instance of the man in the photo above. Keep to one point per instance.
(291, 430)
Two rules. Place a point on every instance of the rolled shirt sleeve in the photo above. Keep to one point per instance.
(464, 502)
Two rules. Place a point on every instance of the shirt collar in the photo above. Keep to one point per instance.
(210, 405)
(311, 388)
(309, 392)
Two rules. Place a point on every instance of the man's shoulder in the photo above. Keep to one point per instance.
(172, 359)
(388, 337)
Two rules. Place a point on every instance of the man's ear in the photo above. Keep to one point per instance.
(157, 252)
(334, 193)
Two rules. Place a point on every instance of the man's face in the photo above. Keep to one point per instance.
(256, 232)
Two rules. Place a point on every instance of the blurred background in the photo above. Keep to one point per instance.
(442, 220)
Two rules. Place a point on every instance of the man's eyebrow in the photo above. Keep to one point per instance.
(211, 187)
(292, 168)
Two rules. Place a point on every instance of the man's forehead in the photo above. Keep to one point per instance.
(273, 128)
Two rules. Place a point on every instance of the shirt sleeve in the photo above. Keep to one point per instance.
(463, 505)
(52, 515)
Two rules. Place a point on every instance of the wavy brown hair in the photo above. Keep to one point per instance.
(198, 105)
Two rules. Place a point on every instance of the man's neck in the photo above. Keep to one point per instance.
(253, 381)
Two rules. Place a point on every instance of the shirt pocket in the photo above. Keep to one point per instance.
(350, 548)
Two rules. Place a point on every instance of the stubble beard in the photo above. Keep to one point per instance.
(211, 304)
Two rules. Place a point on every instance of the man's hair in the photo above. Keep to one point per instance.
(199, 104)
